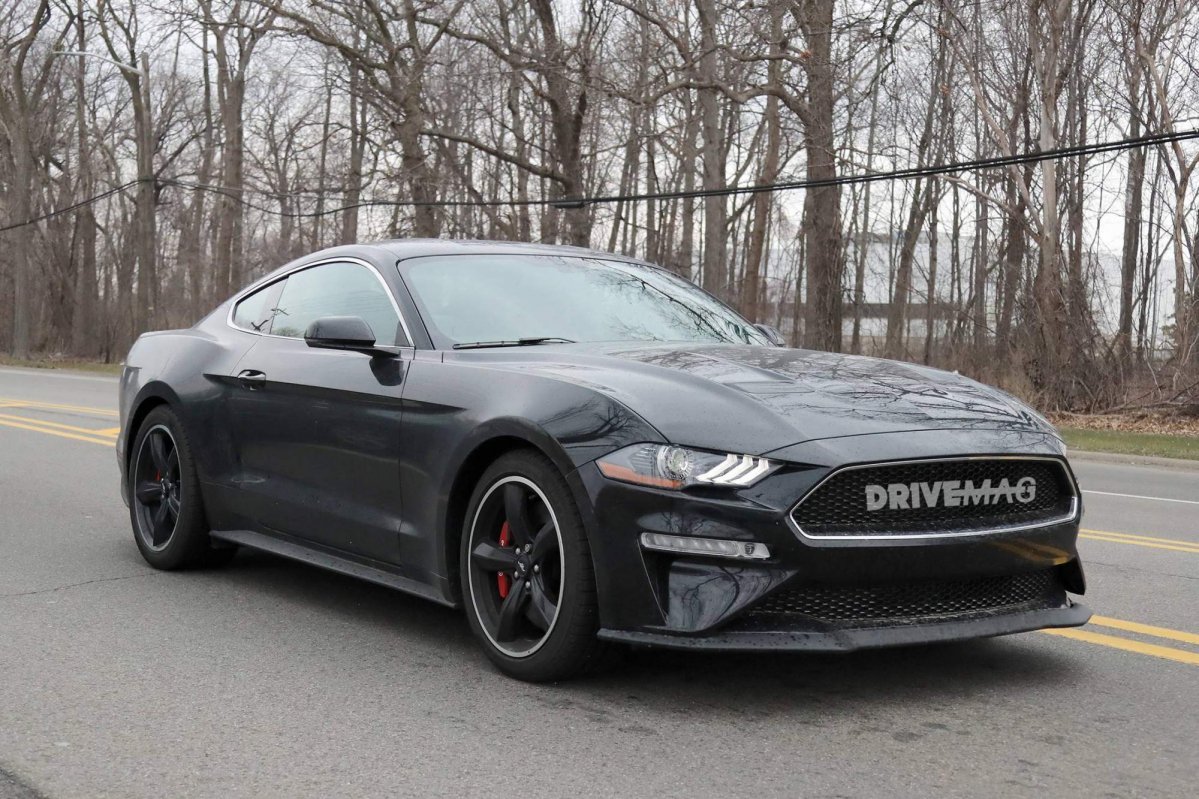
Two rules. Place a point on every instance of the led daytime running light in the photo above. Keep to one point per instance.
(714, 547)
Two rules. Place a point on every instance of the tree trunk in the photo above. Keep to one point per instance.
(145, 314)
(1014, 247)
(83, 320)
(930, 317)
(978, 294)
(685, 262)
(568, 109)
(715, 264)
(349, 217)
(1133, 203)
(866, 229)
(822, 204)
(1047, 283)
(21, 238)
(897, 311)
(755, 253)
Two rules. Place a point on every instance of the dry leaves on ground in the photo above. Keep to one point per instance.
(1167, 423)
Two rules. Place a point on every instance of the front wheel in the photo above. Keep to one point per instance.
(164, 497)
(527, 576)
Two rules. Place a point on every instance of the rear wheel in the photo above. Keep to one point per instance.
(164, 497)
(527, 576)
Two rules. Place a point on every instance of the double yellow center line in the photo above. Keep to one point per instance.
(105, 436)
(1171, 544)
(1157, 650)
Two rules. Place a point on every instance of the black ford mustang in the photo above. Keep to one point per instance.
(583, 449)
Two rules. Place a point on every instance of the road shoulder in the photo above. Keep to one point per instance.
(1133, 460)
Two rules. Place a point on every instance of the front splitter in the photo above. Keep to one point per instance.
(849, 639)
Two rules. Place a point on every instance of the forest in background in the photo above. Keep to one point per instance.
(155, 156)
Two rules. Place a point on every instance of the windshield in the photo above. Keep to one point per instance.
(467, 299)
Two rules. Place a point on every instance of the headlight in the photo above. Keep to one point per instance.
(668, 466)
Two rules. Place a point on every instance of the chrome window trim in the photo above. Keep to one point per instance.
(1071, 516)
(344, 259)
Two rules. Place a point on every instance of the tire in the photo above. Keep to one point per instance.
(508, 560)
(165, 506)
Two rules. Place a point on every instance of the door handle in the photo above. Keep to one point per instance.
(252, 378)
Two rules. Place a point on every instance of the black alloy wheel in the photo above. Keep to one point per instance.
(527, 576)
(516, 566)
(157, 492)
(165, 506)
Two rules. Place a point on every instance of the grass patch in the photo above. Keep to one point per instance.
(54, 363)
(1126, 443)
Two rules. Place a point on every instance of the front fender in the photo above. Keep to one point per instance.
(453, 409)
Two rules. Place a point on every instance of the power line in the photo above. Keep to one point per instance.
(870, 177)
(1031, 157)
(89, 201)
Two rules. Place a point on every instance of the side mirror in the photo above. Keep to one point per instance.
(775, 337)
(343, 333)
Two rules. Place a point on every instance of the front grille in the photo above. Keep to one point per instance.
(937, 497)
(888, 602)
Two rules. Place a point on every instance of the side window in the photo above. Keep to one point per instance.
(255, 312)
(336, 290)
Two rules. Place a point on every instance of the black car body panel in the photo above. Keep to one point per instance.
(365, 463)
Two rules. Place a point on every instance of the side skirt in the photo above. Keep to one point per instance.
(342, 564)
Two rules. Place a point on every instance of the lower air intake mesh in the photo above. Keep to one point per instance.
(911, 600)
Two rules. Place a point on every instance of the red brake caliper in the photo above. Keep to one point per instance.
(502, 580)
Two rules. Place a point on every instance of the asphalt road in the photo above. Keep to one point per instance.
(269, 678)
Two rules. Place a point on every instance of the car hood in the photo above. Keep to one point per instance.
(757, 399)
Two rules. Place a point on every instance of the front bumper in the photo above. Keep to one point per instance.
(693, 602)
(848, 640)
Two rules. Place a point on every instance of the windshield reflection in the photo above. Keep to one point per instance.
(490, 298)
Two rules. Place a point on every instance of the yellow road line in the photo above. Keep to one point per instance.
(19, 403)
(1143, 537)
(48, 431)
(1190, 548)
(111, 431)
(1129, 645)
(1146, 629)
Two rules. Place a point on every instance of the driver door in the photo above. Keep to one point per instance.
(318, 431)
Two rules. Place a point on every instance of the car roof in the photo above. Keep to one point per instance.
(401, 249)
(412, 248)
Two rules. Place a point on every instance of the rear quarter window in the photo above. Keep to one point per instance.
(255, 312)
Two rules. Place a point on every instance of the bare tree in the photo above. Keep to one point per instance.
(194, 147)
(26, 72)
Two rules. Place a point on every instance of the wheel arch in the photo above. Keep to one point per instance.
(483, 451)
(150, 397)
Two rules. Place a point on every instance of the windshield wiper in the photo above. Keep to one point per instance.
(520, 342)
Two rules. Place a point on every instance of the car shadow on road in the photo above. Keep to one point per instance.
(915, 673)
(665, 680)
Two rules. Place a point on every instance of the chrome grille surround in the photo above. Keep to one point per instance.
(1068, 489)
